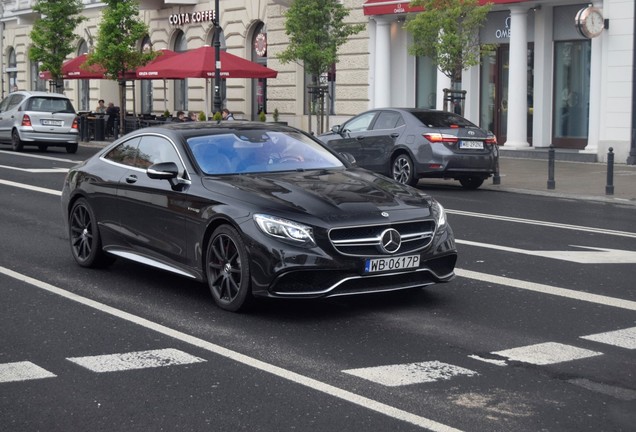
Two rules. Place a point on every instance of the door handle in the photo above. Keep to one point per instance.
(360, 138)
(395, 135)
(131, 179)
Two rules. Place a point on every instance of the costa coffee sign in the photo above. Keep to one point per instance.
(192, 18)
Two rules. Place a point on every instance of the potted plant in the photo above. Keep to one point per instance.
(217, 116)
(262, 116)
(202, 116)
(276, 116)
(166, 113)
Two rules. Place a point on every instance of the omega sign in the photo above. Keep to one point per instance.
(192, 18)
(504, 33)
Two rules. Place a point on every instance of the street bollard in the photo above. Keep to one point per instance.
(551, 182)
(116, 128)
(496, 179)
(609, 188)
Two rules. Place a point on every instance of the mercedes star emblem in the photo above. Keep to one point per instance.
(390, 241)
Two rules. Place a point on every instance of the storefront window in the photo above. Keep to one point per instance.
(571, 93)
(426, 83)
(180, 86)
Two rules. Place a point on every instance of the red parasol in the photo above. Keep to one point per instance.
(200, 63)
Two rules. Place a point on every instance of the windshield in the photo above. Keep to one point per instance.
(252, 151)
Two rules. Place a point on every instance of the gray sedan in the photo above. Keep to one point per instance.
(408, 144)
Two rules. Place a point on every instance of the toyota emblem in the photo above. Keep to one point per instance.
(390, 241)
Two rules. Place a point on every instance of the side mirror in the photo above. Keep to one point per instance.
(163, 171)
(336, 129)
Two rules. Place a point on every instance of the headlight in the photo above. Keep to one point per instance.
(440, 214)
(285, 230)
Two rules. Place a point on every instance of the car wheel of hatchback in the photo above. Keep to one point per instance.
(71, 148)
(16, 142)
(228, 270)
(403, 170)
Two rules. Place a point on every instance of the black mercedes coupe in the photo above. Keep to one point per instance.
(254, 210)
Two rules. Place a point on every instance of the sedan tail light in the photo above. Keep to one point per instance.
(440, 138)
(75, 123)
(26, 120)
(491, 140)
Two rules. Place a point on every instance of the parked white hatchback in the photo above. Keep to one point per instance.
(38, 118)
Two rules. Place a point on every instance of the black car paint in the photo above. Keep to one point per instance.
(172, 225)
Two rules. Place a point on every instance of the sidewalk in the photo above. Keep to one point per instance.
(578, 180)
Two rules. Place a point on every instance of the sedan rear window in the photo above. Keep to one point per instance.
(436, 119)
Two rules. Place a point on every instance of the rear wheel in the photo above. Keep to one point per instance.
(86, 243)
(71, 148)
(228, 270)
(16, 142)
(471, 182)
(403, 170)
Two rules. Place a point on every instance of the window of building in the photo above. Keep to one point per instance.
(180, 86)
(426, 83)
(12, 71)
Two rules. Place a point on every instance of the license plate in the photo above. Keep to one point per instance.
(52, 122)
(393, 263)
(471, 145)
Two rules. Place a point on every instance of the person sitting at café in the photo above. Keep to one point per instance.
(101, 108)
(181, 117)
(227, 115)
(192, 116)
(112, 112)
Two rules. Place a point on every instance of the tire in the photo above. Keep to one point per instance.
(471, 182)
(71, 148)
(228, 269)
(403, 170)
(86, 244)
(16, 143)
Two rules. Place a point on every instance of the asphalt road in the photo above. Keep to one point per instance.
(536, 333)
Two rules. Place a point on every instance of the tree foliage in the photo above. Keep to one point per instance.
(116, 49)
(316, 30)
(53, 34)
(447, 31)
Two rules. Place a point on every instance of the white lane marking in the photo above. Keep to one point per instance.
(593, 255)
(36, 170)
(625, 338)
(30, 187)
(488, 360)
(547, 289)
(543, 223)
(135, 360)
(547, 353)
(22, 371)
(294, 377)
(35, 156)
(410, 373)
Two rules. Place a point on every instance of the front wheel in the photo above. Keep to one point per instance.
(86, 243)
(228, 269)
(16, 143)
(471, 182)
(403, 170)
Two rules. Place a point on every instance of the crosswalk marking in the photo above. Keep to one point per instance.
(625, 338)
(22, 371)
(135, 360)
(411, 373)
(546, 353)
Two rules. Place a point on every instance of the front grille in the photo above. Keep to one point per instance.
(367, 240)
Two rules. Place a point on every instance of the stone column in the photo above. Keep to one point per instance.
(518, 80)
(594, 126)
(382, 63)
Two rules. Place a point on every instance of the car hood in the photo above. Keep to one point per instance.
(329, 195)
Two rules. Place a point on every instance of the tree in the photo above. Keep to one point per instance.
(53, 35)
(447, 31)
(116, 48)
(316, 30)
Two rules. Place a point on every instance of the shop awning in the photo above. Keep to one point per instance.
(200, 63)
(391, 7)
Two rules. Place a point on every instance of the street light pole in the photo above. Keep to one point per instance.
(217, 58)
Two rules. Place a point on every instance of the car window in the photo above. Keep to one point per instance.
(49, 104)
(14, 101)
(439, 119)
(125, 153)
(154, 149)
(5, 103)
(388, 120)
(360, 123)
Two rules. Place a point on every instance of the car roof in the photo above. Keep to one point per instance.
(40, 93)
(191, 129)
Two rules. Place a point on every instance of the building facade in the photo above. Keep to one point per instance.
(546, 83)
